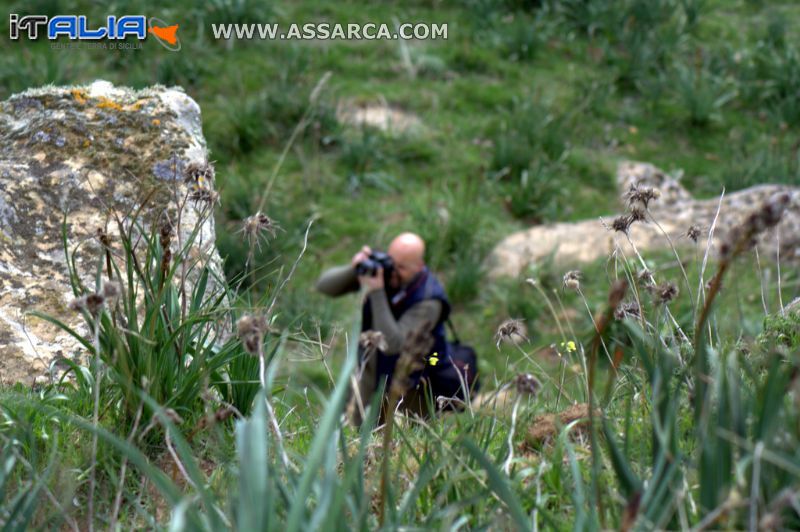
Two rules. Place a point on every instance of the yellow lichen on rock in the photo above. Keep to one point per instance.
(79, 95)
(106, 103)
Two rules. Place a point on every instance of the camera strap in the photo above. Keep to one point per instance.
(453, 330)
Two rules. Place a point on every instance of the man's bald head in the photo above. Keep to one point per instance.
(408, 253)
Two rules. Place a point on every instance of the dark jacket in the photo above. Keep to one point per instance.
(422, 301)
(424, 287)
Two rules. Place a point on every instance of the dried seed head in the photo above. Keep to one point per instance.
(666, 292)
(640, 197)
(512, 331)
(165, 233)
(638, 215)
(572, 280)
(622, 223)
(693, 233)
(743, 236)
(258, 226)
(78, 304)
(111, 291)
(91, 303)
(94, 303)
(629, 309)
(772, 211)
(251, 330)
(645, 277)
(204, 196)
(527, 384)
(371, 341)
(103, 237)
(199, 174)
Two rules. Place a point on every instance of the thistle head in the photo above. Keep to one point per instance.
(91, 303)
(645, 277)
(629, 309)
(693, 233)
(103, 237)
(199, 174)
(665, 292)
(251, 329)
(622, 223)
(527, 384)
(512, 331)
(572, 280)
(257, 227)
(204, 196)
(111, 291)
(639, 197)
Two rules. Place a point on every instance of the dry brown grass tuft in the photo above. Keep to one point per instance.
(545, 427)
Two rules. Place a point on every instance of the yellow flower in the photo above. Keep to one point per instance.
(569, 346)
(433, 359)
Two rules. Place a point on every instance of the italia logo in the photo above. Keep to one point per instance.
(76, 27)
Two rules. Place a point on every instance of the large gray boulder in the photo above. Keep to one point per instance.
(83, 151)
(675, 211)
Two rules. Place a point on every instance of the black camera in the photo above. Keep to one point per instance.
(376, 259)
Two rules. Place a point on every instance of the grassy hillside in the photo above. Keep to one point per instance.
(525, 111)
(521, 117)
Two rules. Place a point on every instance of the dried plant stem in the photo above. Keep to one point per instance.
(176, 459)
(386, 445)
(95, 422)
(778, 262)
(675, 252)
(761, 282)
(538, 288)
(560, 387)
(123, 470)
(754, 485)
(669, 313)
(544, 373)
(563, 365)
(594, 323)
(417, 345)
(510, 440)
(700, 289)
(291, 271)
(615, 297)
(262, 375)
(581, 352)
(713, 290)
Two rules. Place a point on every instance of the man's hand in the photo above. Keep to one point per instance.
(362, 255)
(370, 283)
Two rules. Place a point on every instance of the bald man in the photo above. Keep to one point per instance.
(413, 298)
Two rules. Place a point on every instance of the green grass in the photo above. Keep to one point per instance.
(526, 109)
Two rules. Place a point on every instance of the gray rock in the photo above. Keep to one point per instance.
(83, 152)
(675, 210)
